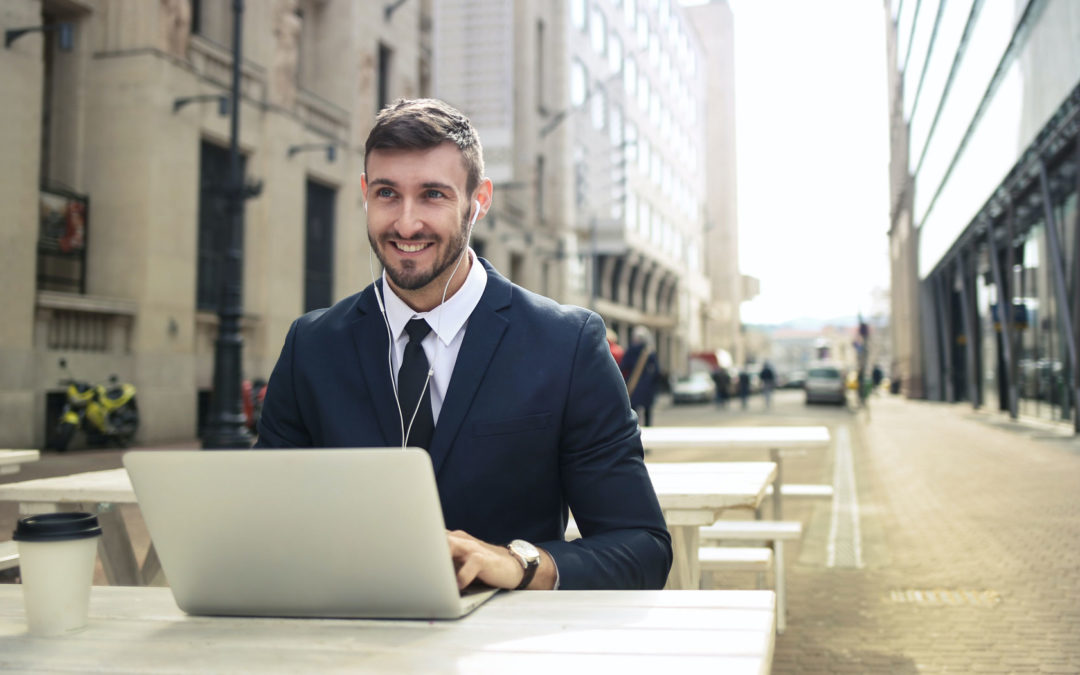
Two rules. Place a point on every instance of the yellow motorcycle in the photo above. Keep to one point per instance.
(107, 414)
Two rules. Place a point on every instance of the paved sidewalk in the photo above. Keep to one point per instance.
(970, 546)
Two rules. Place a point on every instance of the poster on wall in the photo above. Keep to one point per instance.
(62, 222)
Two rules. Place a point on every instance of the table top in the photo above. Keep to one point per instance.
(18, 456)
(711, 485)
(672, 438)
(142, 630)
(112, 485)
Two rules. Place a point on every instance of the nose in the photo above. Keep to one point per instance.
(408, 224)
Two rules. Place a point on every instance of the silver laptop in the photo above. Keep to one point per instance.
(300, 533)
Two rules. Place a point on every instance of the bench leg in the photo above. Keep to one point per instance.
(117, 556)
(779, 583)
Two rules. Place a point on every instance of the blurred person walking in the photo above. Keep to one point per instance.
(744, 386)
(722, 379)
(640, 370)
(768, 383)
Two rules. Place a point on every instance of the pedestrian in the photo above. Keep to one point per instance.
(617, 351)
(876, 376)
(514, 396)
(722, 380)
(641, 370)
(744, 387)
(768, 383)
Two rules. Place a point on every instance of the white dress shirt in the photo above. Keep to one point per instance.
(448, 322)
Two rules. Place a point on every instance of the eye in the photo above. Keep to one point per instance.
(384, 192)
(434, 194)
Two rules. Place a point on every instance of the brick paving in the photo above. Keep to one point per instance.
(950, 501)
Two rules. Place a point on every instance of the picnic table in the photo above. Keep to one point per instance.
(142, 630)
(99, 492)
(720, 439)
(10, 460)
(693, 494)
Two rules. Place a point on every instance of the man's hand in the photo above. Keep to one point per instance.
(476, 560)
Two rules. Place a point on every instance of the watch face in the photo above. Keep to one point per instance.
(525, 550)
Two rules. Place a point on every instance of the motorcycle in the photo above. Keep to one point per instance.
(107, 414)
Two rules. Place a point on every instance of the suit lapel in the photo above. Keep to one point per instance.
(482, 336)
(369, 335)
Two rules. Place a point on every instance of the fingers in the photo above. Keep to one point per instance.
(477, 560)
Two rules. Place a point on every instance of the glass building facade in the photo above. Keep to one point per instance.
(986, 111)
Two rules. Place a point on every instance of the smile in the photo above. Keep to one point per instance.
(411, 248)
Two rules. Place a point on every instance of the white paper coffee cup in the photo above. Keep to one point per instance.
(56, 561)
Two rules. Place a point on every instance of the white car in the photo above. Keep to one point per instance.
(826, 384)
(694, 388)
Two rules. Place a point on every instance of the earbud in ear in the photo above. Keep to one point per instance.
(365, 206)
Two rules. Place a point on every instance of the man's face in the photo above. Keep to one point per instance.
(417, 213)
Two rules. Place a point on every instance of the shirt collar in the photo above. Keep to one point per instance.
(454, 312)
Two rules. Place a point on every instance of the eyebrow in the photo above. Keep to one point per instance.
(426, 186)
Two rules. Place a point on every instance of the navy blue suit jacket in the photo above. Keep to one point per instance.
(536, 419)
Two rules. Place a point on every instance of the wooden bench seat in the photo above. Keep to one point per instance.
(750, 530)
(9, 555)
(803, 490)
(735, 559)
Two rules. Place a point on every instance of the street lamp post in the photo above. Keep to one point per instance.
(226, 428)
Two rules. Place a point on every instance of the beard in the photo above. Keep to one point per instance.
(409, 276)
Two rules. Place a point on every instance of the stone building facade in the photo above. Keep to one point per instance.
(112, 187)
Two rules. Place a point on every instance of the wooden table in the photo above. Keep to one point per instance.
(774, 439)
(11, 459)
(99, 492)
(720, 439)
(693, 494)
(141, 630)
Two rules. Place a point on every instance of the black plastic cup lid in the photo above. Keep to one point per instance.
(63, 526)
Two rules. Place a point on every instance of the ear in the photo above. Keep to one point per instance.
(485, 192)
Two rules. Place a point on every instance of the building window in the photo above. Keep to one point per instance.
(319, 247)
(598, 32)
(213, 20)
(540, 191)
(213, 224)
(579, 87)
(61, 249)
(630, 77)
(616, 125)
(386, 56)
(599, 108)
(517, 269)
(643, 30)
(615, 53)
(630, 12)
(541, 59)
(577, 14)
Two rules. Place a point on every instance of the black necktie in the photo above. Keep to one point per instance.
(412, 376)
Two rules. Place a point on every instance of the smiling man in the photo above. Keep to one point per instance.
(516, 398)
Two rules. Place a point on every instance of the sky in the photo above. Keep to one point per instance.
(812, 155)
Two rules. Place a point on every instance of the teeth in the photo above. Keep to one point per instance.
(411, 248)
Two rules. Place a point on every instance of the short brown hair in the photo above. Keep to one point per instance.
(423, 123)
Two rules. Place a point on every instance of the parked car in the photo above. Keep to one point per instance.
(796, 379)
(826, 384)
(694, 388)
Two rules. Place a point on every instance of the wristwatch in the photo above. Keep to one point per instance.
(529, 557)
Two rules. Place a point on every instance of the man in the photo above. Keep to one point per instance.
(530, 415)
(641, 370)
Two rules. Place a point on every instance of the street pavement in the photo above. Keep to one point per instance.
(968, 533)
(953, 545)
